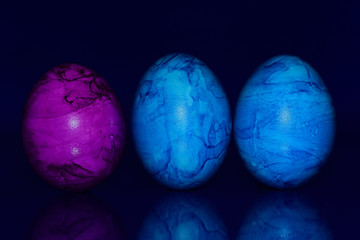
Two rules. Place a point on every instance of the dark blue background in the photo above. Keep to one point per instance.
(120, 40)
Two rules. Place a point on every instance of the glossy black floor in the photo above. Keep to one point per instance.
(131, 194)
(120, 40)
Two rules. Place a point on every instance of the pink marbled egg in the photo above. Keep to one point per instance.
(73, 128)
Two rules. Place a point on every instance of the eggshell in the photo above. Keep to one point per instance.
(284, 122)
(181, 121)
(73, 128)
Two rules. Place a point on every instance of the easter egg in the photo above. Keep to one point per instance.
(284, 122)
(182, 216)
(284, 216)
(73, 129)
(181, 121)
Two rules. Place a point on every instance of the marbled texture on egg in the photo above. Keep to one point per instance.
(181, 121)
(284, 122)
(73, 128)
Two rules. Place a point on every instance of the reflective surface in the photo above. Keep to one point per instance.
(182, 216)
(82, 217)
(284, 215)
(28, 209)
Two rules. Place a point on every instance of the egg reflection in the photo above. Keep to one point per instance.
(284, 216)
(182, 216)
(76, 217)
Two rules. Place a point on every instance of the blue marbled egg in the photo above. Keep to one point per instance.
(181, 121)
(284, 122)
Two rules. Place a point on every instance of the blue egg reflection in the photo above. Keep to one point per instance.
(76, 217)
(182, 216)
(284, 216)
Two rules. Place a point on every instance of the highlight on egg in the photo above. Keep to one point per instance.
(181, 121)
(284, 122)
(73, 128)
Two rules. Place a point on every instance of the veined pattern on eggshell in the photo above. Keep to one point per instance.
(181, 121)
(284, 123)
(73, 128)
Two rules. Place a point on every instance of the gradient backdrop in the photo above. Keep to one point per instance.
(121, 39)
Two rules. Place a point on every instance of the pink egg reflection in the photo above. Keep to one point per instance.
(73, 128)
